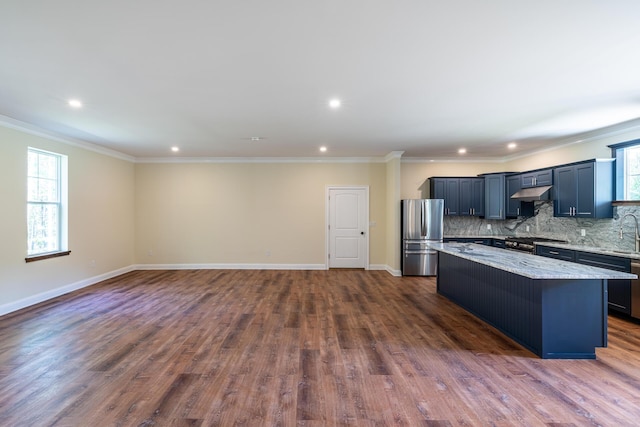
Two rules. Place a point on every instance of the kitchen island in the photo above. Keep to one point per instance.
(556, 309)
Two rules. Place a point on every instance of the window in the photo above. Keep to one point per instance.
(627, 155)
(46, 203)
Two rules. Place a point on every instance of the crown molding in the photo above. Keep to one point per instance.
(18, 125)
(260, 160)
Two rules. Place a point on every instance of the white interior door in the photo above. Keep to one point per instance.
(348, 227)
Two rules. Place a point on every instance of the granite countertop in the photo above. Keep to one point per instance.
(527, 265)
(592, 249)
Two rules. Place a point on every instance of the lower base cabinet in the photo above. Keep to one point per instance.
(619, 290)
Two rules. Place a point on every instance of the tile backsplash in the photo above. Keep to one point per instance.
(602, 233)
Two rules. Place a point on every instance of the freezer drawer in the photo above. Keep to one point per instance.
(419, 263)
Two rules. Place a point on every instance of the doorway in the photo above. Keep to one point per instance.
(347, 227)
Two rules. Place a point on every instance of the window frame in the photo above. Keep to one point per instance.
(61, 203)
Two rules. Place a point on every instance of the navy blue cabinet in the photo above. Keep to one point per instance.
(487, 241)
(619, 293)
(471, 196)
(514, 207)
(494, 196)
(462, 195)
(537, 178)
(449, 190)
(584, 190)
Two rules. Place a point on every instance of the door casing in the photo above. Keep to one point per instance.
(327, 221)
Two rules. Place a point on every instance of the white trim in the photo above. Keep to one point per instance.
(387, 268)
(393, 155)
(14, 124)
(260, 160)
(53, 293)
(327, 243)
(230, 267)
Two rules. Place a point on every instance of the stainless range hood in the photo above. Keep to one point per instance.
(532, 194)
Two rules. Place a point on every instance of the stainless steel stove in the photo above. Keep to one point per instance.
(526, 244)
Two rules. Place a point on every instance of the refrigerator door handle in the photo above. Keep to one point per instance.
(423, 252)
(423, 230)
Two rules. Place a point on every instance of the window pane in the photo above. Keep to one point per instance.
(45, 196)
(632, 159)
(47, 190)
(48, 166)
(32, 164)
(632, 188)
(42, 228)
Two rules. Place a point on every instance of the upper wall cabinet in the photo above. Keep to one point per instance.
(584, 189)
(515, 207)
(449, 190)
(537, 178)
(462, 196)
(494, 196)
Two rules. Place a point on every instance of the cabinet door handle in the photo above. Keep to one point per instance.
(517, 211)
(554, 253)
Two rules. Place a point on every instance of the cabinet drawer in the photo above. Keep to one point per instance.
(480, 240)
(557, 253)
(604, 261)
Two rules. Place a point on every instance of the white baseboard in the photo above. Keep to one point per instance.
(230, 267)
(386, 268)
(53, 293)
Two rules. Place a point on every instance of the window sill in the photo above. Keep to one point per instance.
(46, 256)
(626, 203)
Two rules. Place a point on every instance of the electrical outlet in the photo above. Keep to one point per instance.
(527, 228)
(488, 226)
(150, 252)
(583, 232)
(267, 253)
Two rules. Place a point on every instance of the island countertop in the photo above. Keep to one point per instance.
(527, 265)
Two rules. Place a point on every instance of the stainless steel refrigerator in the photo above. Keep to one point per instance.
(421, 223)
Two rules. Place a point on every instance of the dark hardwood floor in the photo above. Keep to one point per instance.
(287, 348)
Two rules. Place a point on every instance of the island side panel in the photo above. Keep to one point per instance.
(552, 318)
(507, 301)
(575, 318)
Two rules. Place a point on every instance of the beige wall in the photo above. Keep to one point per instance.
(415, 175)
(249, 213)
(122, 214)
(101, 212)
(394, 183)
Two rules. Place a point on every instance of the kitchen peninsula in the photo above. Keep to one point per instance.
(556, 309)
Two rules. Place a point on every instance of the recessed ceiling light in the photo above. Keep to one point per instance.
(512, 145)
(175, 149)
(75, 103)
(323, 149)
(335, 103)
(462, 151)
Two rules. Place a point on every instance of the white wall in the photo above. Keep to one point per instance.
(101, 213)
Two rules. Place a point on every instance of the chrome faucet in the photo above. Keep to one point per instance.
(637, 238)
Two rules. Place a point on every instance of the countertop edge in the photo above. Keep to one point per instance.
(527, 265)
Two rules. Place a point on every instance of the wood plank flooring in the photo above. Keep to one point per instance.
(293, 348)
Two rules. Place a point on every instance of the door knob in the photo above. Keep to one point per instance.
(362, 232)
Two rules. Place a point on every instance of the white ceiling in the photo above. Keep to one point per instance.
(424, 77)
